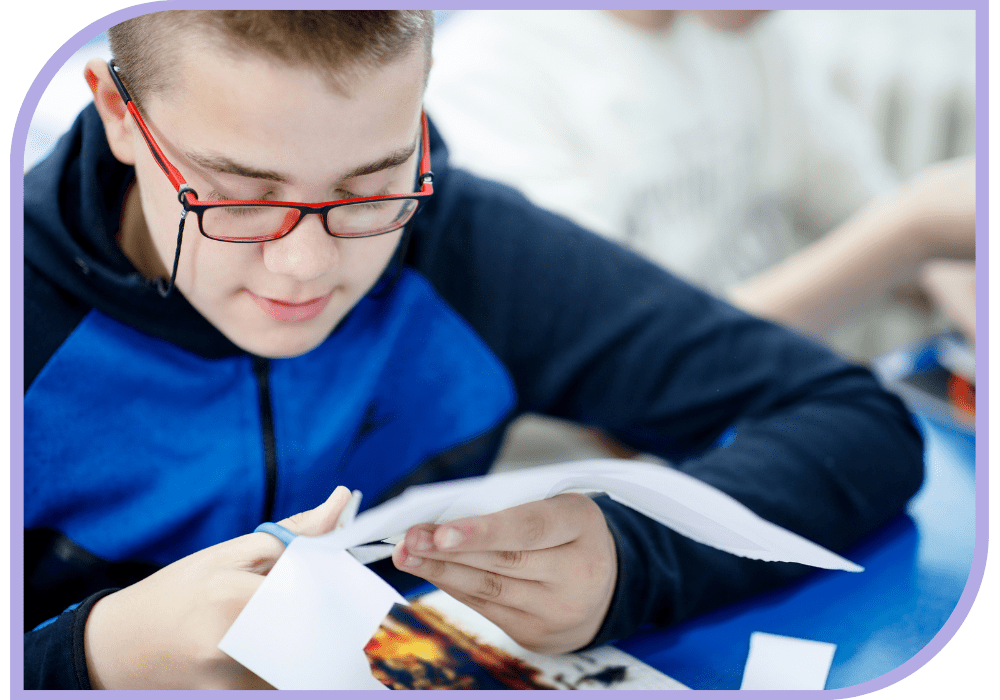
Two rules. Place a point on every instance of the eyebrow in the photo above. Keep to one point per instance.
(226, 166)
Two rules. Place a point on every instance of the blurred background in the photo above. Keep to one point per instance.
(911, 74)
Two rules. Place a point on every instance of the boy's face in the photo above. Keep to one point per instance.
(251, 128)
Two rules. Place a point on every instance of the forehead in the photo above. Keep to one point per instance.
(290, 118)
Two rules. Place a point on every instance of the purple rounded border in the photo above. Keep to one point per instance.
(38, 86)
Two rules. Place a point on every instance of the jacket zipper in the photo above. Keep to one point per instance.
(261, 370)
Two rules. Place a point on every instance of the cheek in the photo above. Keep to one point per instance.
(162, 213)
(212, 269)
(367, 260)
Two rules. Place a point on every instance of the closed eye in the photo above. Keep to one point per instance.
(243, 211)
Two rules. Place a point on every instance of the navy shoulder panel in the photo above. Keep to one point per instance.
(49, 317)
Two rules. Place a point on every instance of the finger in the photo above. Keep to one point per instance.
(536, 525)
(528, 564)
(541, 565)
(350, 511)
(321, 519)
(476, 583)
(255, 553)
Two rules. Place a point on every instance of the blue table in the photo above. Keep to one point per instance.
(915, 571)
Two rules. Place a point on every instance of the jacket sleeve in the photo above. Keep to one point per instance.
(592, 333)
(54, 657)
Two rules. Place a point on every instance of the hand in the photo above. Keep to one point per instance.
(544, 572)
(878, 250)
(941, 200)
(951, 284)
(164, 631)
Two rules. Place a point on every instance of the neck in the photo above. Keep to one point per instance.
(134, 239)
(649, 20)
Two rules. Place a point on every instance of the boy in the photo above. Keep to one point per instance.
(322, 333)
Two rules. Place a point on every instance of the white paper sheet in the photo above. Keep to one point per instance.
(307, 625)
(681, 502)
(786, 663)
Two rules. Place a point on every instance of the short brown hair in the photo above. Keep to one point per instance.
(339, 43)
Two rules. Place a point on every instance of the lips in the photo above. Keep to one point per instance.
(291, 311)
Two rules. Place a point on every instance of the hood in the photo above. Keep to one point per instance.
(72, 209)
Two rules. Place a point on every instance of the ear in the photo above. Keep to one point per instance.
(119, 126)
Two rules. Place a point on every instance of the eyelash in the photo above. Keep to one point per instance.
(216, 196)
(351, 195)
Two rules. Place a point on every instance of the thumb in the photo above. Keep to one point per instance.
(321, 519)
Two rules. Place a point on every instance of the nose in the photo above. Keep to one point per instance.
(307, 253)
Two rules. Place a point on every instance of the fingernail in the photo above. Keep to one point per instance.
(448, 537)
(340, 494)
(405, 558)
(424, 542)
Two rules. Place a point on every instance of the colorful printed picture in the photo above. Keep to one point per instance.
(438, 643)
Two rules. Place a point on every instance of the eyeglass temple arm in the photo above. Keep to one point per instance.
(426, 177)
(176, 179)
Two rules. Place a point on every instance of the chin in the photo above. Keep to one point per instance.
(264, 337)
(280, 350)
(279, 345)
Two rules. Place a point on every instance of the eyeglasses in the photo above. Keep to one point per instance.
(256, 221)
(253, 221)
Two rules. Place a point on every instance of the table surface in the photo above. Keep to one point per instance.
(915, 571)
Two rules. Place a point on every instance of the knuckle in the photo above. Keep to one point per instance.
(534, 529)
(490, 587)
(294, 522)
(432, 569)
(510, 559)
(588, 569)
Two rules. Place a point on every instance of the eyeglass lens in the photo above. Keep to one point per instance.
(255, 222)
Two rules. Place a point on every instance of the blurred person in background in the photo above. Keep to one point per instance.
(740, 150)
(704, 141)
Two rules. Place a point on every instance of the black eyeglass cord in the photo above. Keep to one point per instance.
(165, 288)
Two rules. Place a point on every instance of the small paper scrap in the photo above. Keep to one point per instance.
(786, 663)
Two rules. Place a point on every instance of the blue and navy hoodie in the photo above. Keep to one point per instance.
(149, 435)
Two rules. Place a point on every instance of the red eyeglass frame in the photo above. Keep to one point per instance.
(188, 198)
